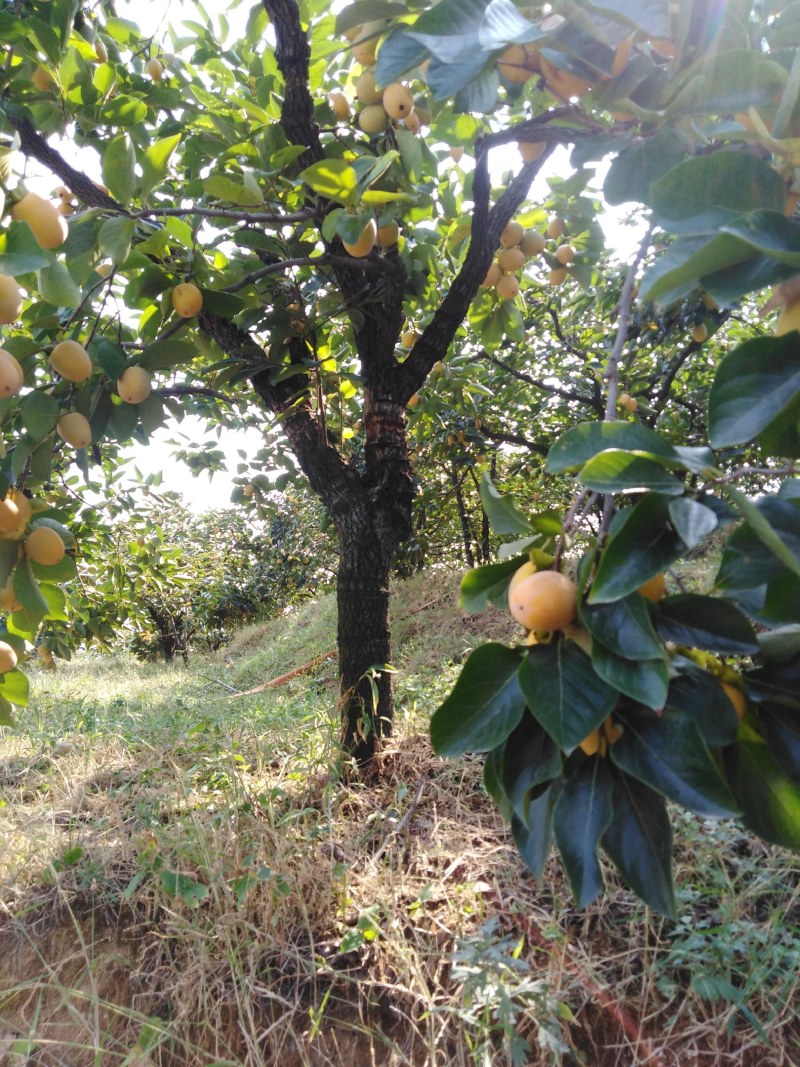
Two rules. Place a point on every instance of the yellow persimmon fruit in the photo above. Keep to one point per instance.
(365, 50)
(512, 234)
(591, 744)
(366, 91)
(44, 546)
(365, 242)
(41, 79)
(737, 698)
(100, 51)
(11, 374)
(373, 119)
(74, 428)
(663, 46)
(507, 287)
(388, 234)
(621, 57)
(66, 209)
(557, 276)
(456, 153)
(612, 730)
(10, 299)
(8, 658)
(71, 361)
(134, 385)
(413, 401)
(655, 588)
(409, 338)
(699, 332)
(519, 575)
(438, 370)
(354, 33)
(511, 259)
(565, 254)
(413, 121)
(789, 319)
(341, 106)
(186, 299)
(249, 490)
(546, 600)
(531, 150)
(512, 64)
(555, 228)
(493, 274)
(48, 227)
(563, 83)
(155, 69)
(15, 513)
(532, 243)
(397, 100)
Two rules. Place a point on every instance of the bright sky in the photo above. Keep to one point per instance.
(205, 492)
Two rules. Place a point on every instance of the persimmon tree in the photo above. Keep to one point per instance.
(258, 244)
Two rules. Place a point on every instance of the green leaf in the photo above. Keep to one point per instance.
(696, 693)
(110, 357)
(624, 627)
(164, 355)
(335, 179)
(155, 162)
(706, 622)
(123, 111)
(119, 168)
(754, 384)
(707, 191)
(57, 287)
(763, 520)
(14, 687)
(218, 187)
(115, 238)
(581, 816)
(781, 727)
(56, 601)
(399, 53)
(689, 262)
(175, 884)
(645, 680)
(639, 841)
(581, 443)
(40, 413)
(564, 693)
(667, 752)
(9, 551)
(642, 544)
(529, 760)
(778, 683)
(769, 799)
(501, 511)
(6, 710)
(769, 232)
(481, 584)
(27, 592)
(20, 252)
(485, 705)
(615, 471)
(366, 11)
(692, 520)
(534, 839)
(635, 169)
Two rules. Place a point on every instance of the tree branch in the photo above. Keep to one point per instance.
(566, 394)
(514, 439)
(227, 213)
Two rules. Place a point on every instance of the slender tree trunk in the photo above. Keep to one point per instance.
(364, 637)
(466, 532)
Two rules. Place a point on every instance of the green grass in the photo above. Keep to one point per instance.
(185, 878)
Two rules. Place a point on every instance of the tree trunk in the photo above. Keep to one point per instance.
(364, 637)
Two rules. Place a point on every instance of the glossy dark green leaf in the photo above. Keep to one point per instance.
(481, 584)
(706, 622)
(706, 191)
(615, 471)
(564, 693)
(642, 545)
(581, 816)
(27, 592)
(770, 801)
(163, 355)
(155, 161)
(698, 694)
(780, 724)
(775, 682)
(783, 643)
(644, 680)
(530, 760)
(57, 287)
(399, 53)
(754, 384)
(40, 413)
(20, 252)
(486, 703)
(111, 358)
(114, 238)
(492, 780)
(503, 514)
(534, 840)
(624, 627)
(578, 445)
(639, 842)
(692, 520)
(774, 522)
(635, 169)
(9, 553)
(667, 752)
(771, 233)
(689, 260)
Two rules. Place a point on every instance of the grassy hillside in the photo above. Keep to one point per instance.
(185, 879)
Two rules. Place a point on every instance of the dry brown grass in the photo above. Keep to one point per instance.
(332, 910)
